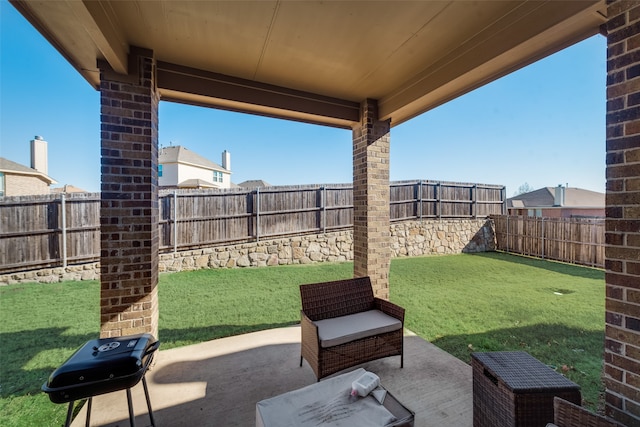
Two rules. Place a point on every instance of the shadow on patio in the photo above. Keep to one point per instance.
(219, 382)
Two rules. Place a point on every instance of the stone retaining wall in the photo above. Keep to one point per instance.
(415, 238)
(89, 271)
(408, 238)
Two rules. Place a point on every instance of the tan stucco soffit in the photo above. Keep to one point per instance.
(313, 61)
(98, 19)
(491, 55)
(48, 15)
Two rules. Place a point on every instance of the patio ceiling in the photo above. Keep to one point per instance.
(315, 61)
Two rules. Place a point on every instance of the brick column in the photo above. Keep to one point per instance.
(129, 236)
(371, 234)
(622, 253)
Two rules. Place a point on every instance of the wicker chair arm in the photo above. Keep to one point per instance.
(567, 414)
(389, 308)
(307, 323)
(309, 334)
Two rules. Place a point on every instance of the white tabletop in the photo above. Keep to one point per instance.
(327, 403)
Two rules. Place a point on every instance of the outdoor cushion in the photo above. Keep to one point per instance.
(344, 329)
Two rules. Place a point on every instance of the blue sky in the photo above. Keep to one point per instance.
(543, 125)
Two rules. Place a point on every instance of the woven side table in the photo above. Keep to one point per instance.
(514, 389)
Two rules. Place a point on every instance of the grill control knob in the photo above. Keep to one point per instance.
(109, 346)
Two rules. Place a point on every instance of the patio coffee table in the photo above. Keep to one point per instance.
(328, 403)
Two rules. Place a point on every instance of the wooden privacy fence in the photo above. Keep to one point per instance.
(50, 230)
(54, 230)
(573, 240)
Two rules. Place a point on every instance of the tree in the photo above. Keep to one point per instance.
(524, 188)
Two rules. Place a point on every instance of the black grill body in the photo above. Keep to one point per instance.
(102, 366)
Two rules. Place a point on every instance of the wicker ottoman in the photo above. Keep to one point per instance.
(514, 389)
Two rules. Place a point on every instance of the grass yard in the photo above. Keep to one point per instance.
(462, 303)
(495, 302)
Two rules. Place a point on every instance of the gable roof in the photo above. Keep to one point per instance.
(68, 188)
(180, 154)
(253, 183)
(196, 183)
(11, 167)
(545, 198)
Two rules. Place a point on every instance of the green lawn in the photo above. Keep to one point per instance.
(462, 303)
(494, 302)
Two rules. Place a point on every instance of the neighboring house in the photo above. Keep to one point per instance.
(179, 167)
(254, 183)
(558, 202)
(20, 180)
(68, 188)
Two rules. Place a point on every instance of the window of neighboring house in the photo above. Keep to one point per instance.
(217, 176)
(159, 171)
(535, 213)
(1, 184)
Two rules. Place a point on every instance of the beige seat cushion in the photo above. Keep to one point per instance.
(344, 329)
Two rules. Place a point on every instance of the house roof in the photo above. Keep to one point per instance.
(545, 198)
(197, 183)
(11, 167)
(68, 188)
(314, 61)
(180, 154)
(253, 183)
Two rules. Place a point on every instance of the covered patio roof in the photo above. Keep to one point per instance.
(315, 61)
(360, 65)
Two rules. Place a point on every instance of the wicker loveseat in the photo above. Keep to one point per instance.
(343, 325)
(567, 414)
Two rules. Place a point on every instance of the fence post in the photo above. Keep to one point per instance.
(475, 201)
(439, 198)
(323, 202)
(63, 207)
(503, 193)
(420, 195)
(507, 233)
(175, 221)
(258, 214)
(542, 233)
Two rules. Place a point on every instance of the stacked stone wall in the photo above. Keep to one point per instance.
(408, 239)
(416, 238)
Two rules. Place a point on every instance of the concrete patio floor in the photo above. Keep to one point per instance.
(219, 383)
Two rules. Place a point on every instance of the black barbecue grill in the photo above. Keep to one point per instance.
(102, 366)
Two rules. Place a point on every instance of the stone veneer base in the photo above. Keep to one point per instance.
(408, 239)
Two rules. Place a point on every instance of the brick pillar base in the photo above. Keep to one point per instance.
(622, 253)
(371, 234)
(129, 198)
